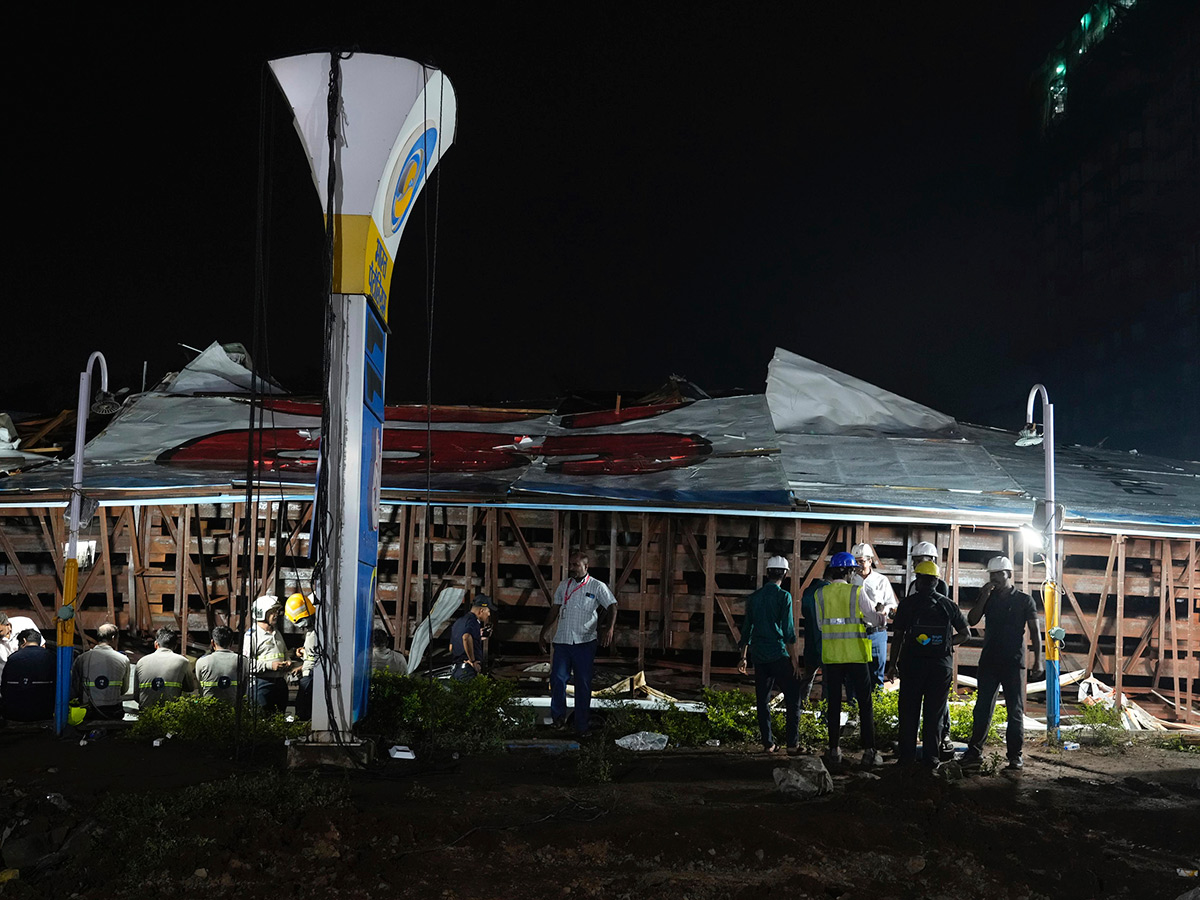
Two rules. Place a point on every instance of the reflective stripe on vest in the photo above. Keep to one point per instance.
(843, 630)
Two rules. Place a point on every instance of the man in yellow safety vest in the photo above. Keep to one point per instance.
(844, 614)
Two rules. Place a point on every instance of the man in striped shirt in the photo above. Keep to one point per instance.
(583, 612)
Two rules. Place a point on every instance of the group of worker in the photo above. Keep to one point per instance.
(846, 618)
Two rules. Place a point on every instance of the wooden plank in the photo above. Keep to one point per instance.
(39, 609)
(184, 553)
(264, 586)
(32, 441)
(106, 540)
(1095, 640)
(612, 548)
(1169, 568)
(469, 552)
(537, 572)
(643, 546)
(235, 590)
(1120, 648)
(797, 539)
(291, 547)
(491, 525)
(1191, 625)
(727, 612)
(56, 555)
(817, 568)
(404, 576)
(710, 592)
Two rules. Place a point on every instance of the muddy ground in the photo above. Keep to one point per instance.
(705, 823)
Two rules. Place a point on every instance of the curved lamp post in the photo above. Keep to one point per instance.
(1045, 528)
(105, 404)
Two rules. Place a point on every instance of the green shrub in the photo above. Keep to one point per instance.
(1177, 744)
(208, 720)
(1103, 725)
(732, 716)
(479, 714)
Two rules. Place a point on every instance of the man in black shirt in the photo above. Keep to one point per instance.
(1002, 661)
(927, 627)
(28, 680)
(466, 639)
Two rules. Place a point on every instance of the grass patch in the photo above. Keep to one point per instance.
(211, 721)
(1102, 726)
(146, 827)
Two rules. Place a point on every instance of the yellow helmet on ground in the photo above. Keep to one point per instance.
(298, 607)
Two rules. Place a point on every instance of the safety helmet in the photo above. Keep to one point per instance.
(863, 551)
(928, 567)
(264, 605)
(843, 560)
(1000, 564)
(778, 562)
(298, 607)
(924, 548)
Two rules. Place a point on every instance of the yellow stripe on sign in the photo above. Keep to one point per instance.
(377, 271)
(350, 234)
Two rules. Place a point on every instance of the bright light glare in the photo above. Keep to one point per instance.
(1034, 539)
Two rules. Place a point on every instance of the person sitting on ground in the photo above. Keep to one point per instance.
(466, 639)
(10, 630)
(102, 676)
(27, 682)
(163, 674)
(217, 672)
(383, 657)
(769, 634)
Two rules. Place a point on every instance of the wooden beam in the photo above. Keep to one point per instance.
(710, 592)
(1191, 625)
(47, 620)
(537, 572)
(643, 545)
(727, 612)
(32, 441)
(1095, 639)
(1119, 655)
(56, 555)
(1169, 567)
(400, 512)
(106, 559)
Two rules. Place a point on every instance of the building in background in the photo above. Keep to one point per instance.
(1117, 229)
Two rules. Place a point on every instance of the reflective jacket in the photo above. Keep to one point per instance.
(162, 675)
(101, 676)
(218, 675)
(843, 627)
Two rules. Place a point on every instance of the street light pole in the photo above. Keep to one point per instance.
(1050, 594)
(66, 615)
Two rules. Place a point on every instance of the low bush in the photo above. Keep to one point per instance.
(479, 714)
(1102, 725)
(208, 720)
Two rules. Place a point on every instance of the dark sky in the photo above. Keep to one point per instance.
(635, 190)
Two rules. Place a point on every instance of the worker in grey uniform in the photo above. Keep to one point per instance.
(102, 676)
(164, 674)
(217, 671)
(266, 656)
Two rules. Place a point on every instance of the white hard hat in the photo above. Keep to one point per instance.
(264, 605)
(778, 562)
(863, 551)
(1000, 564)
(925, 549)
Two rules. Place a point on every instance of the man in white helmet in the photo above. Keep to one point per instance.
(883, 598)
(266, 656)
(769, 633)
(1007, 613)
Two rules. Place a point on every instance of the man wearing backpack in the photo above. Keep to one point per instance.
(928, 626)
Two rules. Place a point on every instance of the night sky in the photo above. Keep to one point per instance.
(635, 190)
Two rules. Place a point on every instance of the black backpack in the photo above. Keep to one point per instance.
(930, 634)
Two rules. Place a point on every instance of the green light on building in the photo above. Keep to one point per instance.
(1060, 69)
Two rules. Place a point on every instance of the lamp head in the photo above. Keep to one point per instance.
(105, 404)
(1029, 436)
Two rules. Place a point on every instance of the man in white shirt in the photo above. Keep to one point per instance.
(584, 611)
(879, 590)
(9, 629)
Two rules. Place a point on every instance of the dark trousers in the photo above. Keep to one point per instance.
(304, 697)
(570, 660)
(767, 677)
(463, 671)
(923, 682)
(269, 694)
(856, 675)
(991, 678)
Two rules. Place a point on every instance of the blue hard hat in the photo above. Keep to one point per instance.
(843, 560)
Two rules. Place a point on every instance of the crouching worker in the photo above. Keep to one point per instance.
(217, 672)
(102, 676)
(466, 639)
(163, 674)
(928, 627)
(301, 612)
(27, 682)
(769, 637)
